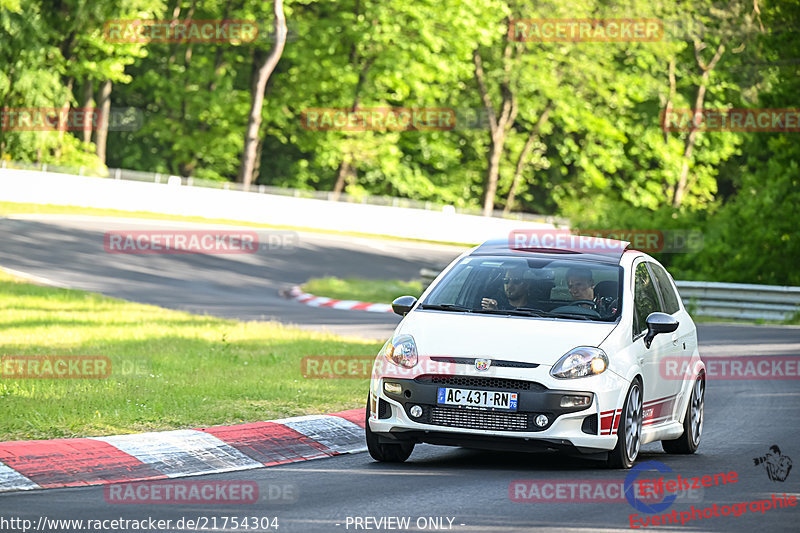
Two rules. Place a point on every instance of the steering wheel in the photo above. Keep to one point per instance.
(591, 303)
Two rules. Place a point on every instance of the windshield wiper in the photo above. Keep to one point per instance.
(531, 310)
(569, 315)
(445, 307)
(521, 311)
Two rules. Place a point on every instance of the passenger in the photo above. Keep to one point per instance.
(580, 283)
(515, 290)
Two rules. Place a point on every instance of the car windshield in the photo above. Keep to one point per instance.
(565, 289)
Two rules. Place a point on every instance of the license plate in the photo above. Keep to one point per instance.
(477, 398)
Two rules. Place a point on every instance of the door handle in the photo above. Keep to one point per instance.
(674, 339)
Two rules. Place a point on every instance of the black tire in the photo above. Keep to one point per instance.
(629, 435)
(692, 422)
(386, 453)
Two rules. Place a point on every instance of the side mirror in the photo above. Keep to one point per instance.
(659, 323)
(401, 306)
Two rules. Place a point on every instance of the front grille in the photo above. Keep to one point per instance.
(468, 419)
(514, 364)
(471, 361)
(483, 383)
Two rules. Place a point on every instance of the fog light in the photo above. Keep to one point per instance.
(416, 411)
(575, 401)
(393, 388)
(542, 421)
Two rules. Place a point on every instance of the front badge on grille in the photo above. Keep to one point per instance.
(482, 364)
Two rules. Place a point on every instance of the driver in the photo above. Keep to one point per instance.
(581, 284)
(515, 289)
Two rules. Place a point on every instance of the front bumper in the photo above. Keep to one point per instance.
(575, 429)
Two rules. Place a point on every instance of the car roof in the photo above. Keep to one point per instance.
(609, 250)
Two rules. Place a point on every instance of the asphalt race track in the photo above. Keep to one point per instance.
(470, 487)
(69, 251)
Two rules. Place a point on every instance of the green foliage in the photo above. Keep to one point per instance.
(600, 158)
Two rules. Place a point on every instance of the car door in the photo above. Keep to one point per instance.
(682, 341)
(659, 394)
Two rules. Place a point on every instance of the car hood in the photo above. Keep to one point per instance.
(523, 339)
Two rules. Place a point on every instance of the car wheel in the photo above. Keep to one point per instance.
(386, 453)
(629, 435)
(692, 422)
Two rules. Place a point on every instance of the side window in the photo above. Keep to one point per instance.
(645, 299)
(449, 292)
(671, 304)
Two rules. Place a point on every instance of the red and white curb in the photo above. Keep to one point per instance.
(40, 464)
(296, 293)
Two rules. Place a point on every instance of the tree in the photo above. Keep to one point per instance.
(261, 74)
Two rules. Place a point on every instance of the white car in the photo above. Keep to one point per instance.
(540, 349)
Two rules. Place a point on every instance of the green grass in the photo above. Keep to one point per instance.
(13, 208)
(363, 290)
(197, 370)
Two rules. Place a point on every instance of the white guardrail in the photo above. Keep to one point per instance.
(175, 198)
(724, 300)
(158, 178)
(739, 300)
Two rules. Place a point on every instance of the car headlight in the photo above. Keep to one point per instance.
(580, 362)
(402, 351)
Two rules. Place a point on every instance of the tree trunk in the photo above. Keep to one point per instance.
(257, 166)
(681, 188)
(88, 107)
(257, 97)
(499, 124)
(493, 172)
(104, 104)
(344, 173)
(63, 117)
(523, 156)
